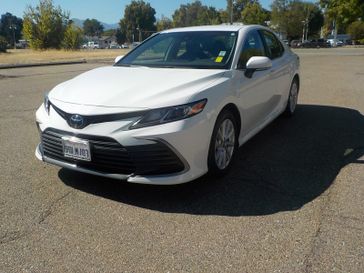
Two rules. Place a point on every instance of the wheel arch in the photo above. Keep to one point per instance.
(297, 78)
(231, 107)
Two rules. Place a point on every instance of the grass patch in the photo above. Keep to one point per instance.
(26, 56)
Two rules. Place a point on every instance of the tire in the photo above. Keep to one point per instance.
(292, 99)
(222, 150)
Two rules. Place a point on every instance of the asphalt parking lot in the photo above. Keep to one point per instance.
(293, 201)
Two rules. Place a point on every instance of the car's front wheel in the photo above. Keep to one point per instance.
(224, 144)
(292, 99)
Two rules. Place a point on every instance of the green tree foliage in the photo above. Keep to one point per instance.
(92, 27)
(139, 18)
(109, 32)
(289, 16)
(194, 14)
(344, 12)
(224, 16)
(164, 23)
(279, 18)
(120, 36)
(316, 21)
(8, 24)
(44, 26)
(356, 30)
(253, 13)
(73, 37)
(238, 7)
(3, 44)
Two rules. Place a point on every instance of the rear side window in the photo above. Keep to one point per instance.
(253, 46)
(273, 45)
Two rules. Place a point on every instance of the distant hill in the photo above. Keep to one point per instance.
(79, 23)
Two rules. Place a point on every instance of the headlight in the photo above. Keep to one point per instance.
(169, 114)
(46, 103)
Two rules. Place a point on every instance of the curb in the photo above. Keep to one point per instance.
(11, 66)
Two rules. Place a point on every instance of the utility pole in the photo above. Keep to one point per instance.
(13, 28)
(140, 34)
(231, 11)
(303, 31)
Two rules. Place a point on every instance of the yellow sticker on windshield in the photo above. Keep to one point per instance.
(219, 59)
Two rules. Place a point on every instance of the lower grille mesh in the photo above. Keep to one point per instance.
(108, 156)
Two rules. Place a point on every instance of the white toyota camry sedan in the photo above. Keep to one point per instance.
(176, 107)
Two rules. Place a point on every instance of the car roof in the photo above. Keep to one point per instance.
(234, 27)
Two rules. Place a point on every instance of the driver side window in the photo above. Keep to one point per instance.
(253, 46)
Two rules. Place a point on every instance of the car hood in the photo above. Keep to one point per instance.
(135, 87)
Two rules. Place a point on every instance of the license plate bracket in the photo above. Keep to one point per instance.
(76, 148)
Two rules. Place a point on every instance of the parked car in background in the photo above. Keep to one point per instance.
(22, 44)
(335, 42)
(316, 43)
(91, 45)
(295, 43)
(114, 46)
(173, 109)
(135, 44)
(124, 46)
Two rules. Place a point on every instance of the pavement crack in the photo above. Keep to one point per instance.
(52, 207)
(316, 239)
(348, 222)
(12, 236)
(9, 76)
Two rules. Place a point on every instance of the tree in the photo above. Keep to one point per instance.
(139, 20)
(253, 13)
(343, 12)
(279, 20)
(109, 32)
(3, 44)
(72, 37)
(356, 30)
(92, 27)
(164, 23)
(44, 26)
(316, 22)
(295, 18)
(237, 6)
(120, 36)
(11, 27)
(194, 14)
(210, 16)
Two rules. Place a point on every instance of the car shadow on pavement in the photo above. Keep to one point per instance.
(288, 164)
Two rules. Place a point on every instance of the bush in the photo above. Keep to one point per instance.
(360, 42)
(3, 44)
(356, 30)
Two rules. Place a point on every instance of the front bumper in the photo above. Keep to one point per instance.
(187, 141)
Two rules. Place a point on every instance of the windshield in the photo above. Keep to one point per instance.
(195, 49)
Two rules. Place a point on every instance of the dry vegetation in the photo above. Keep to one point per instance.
(26, 56)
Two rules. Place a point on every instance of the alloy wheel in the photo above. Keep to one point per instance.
(224, 144)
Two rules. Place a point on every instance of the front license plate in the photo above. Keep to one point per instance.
(76, 148)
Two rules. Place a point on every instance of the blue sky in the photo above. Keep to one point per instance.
(107, 11)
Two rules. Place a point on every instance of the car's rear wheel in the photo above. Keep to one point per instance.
(224, 144)
(292, 99)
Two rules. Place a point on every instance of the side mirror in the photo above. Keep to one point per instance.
(118, 58)
(257, 63)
